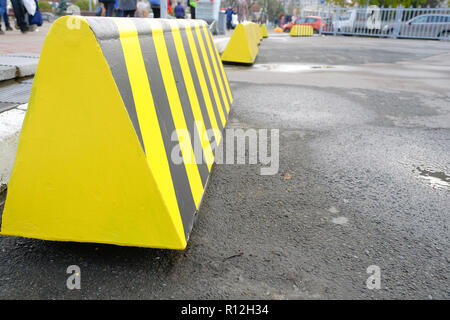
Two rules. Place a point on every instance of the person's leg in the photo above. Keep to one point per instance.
(19, 12)
(109, 8)
(156, 12)
(6, 19)
(131, 13)
(192, 13)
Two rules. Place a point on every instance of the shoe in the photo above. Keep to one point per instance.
(8, 28)
(25, 29)
(2, 32)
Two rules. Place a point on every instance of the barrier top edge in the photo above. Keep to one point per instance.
(106, 28)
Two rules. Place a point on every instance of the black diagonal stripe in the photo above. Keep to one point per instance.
(185, 103)
(108, 37)
(208, 83)
(218, 63)
(225, 78)
(198, 90)
(180, 180)
(213, 71)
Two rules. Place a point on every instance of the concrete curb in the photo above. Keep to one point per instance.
(10, 127)
(17, 65)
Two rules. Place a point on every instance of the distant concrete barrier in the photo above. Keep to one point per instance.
(264, 31)
(301, 31)
(259, 34)
(243, 44)
(111, 100)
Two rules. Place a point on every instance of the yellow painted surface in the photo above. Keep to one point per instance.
(80, 172)
(301, 31)
(146, 113)
(264, 31)
(260, 34)
(203, 85)
(243, 45)
(193, 99)
(210, 74)
(216, 68)
(223, 72)
(177, 111)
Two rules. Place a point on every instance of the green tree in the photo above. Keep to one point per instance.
(62, 7)
(273, 8)
(44, 6)
(83, 5)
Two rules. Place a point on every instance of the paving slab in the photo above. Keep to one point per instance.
(7, 72)
(17, 65)
(5, 106)
(15, 93)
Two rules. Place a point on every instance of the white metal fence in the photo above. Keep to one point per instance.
(400, 22)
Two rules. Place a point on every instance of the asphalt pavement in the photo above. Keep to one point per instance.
(363, 180)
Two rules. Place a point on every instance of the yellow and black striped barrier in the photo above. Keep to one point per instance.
(243, 44)
(298, 30)
(113, 99)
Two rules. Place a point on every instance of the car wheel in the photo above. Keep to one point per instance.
(444, 35)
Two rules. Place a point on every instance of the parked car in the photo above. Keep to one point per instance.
(423, 26)
(313, 21)
(366, 20)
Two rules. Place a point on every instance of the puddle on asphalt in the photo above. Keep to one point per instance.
(340, 220)
(290, 67)
(436, 179)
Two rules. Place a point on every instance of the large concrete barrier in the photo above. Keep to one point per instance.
(113, 100)
(264, 31)
(243, 44)
(301, 31)
(260, 33)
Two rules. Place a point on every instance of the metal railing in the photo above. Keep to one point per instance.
(399, 22)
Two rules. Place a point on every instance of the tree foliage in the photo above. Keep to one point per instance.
(62, 7)
(83, 5)
(44, 6)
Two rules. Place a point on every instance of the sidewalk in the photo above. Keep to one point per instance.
(16, 41)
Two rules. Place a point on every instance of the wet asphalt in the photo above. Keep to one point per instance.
(363, 179)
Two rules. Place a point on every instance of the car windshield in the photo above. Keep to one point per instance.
(301, 20)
